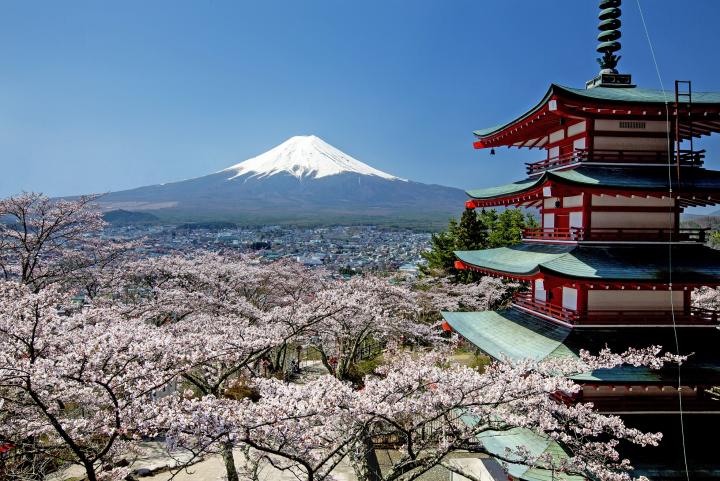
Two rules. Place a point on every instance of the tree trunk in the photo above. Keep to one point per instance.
(364, 460)
(227, 454)
(325, 361)
(341, 370)
(90, 471)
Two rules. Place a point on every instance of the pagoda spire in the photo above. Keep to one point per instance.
(608, 45)
(609, 27)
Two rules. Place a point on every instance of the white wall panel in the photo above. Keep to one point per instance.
(634, 300)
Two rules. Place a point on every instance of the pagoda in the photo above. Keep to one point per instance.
(611, 265)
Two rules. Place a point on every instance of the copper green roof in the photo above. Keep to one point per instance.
(511, 333)
(632, 95)
(690, 263)
(520, 259)
(499, 442)
(517, 335)
(631, 178)
(636, 95)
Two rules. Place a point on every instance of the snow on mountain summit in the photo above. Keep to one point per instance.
(304, 156)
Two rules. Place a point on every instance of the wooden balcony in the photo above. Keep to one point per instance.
(688, 158)
(695, 316)
(525, 301)
(579, 234)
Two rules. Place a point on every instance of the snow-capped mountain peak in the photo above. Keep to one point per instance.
(304, 156)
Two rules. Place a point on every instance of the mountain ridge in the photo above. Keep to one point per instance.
(302, 180)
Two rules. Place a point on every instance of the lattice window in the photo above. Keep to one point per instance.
(631, 124)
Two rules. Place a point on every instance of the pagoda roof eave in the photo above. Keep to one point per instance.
(520, 261)
(692, 264)
(486, 132)
(620, 181)
(516, 335)
(498, 442)
(586, 99)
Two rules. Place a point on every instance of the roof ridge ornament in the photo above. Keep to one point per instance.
(609, 27)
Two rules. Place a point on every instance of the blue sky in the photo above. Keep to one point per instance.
(98, 96)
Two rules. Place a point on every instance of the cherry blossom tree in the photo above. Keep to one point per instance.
(706, 297)
(373, 310)
(437, 294)
(229, 314)
(72, 383)
(43, 241)
(430, 407)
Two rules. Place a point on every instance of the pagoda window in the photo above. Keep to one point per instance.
(605, 125)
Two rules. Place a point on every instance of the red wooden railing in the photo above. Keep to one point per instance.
(695, 315)
(526, 301)
(555, 233)
(691, 158)
(616, 234)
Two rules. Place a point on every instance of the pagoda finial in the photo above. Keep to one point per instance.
(609, 34)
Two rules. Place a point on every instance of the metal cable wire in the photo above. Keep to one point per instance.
(672, 300)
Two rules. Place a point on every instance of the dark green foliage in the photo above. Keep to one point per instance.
(714, 240)
(474, 231)
(506, 229)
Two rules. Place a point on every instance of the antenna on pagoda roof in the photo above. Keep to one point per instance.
(609, 27)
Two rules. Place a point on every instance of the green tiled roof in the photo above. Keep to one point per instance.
(511, 333)
(638, 178)
(517, 335)
(636, 95)
(521, 259)
(503, 190)
(607, 94)
(498, 442)
(695, 263)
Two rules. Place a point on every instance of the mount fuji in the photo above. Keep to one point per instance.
(304, 180)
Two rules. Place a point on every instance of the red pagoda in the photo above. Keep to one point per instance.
(611, 265)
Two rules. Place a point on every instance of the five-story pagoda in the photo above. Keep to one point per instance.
(611, 265)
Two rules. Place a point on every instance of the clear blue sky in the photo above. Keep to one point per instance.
(98, 96)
